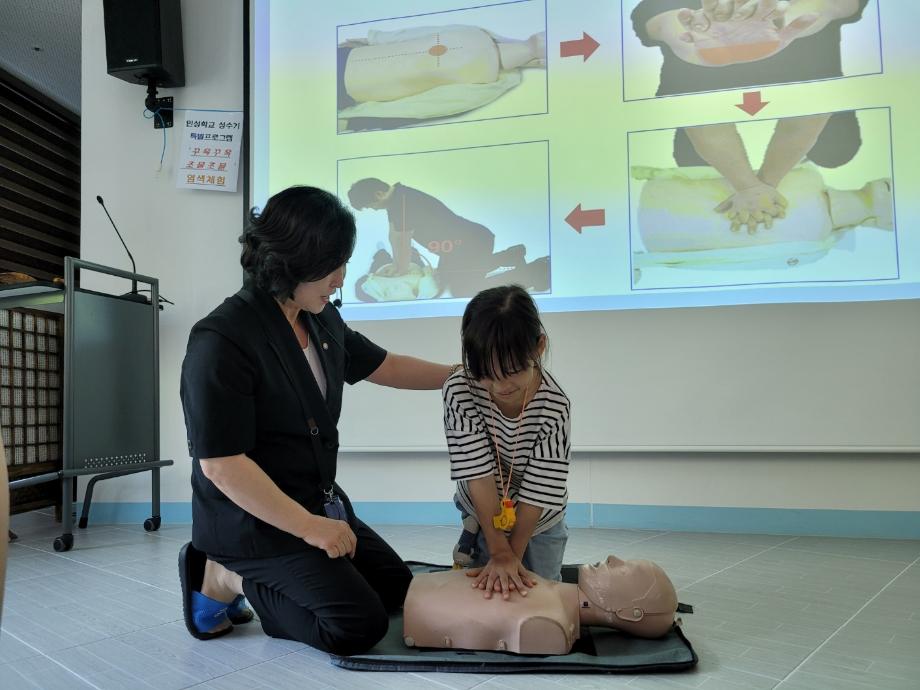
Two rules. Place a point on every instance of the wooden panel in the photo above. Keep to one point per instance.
(39, 181)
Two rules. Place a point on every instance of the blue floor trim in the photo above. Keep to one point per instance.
(578, 515)
(102, 513)
(829, 523)
(883, 524)
(414, 513)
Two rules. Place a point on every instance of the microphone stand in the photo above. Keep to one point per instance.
(134, 295)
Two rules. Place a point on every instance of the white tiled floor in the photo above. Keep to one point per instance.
(795, 613)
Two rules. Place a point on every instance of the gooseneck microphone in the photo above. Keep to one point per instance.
(133, 265)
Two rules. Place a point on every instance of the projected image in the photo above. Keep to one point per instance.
(739, 164)
(447, 223)
(425, 69)
(709, 45)
(787, 220)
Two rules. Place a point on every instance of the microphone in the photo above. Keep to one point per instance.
(337, 302)
(134, 293)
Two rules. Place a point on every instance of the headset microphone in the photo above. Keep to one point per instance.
(337, 302)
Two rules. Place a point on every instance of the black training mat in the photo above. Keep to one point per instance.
(599, 650)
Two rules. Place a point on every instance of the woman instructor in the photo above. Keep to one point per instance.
(261, 389)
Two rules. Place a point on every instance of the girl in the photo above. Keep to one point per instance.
(507, 426)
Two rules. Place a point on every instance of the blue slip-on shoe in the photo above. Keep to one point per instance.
(202, 614)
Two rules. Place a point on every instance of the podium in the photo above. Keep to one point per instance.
(111, 400)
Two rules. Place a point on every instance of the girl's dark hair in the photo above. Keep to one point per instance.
(302, 234)
(500, 332)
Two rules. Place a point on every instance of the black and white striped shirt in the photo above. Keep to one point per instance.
(541, 463)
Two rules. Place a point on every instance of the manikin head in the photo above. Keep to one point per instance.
(633, 596)
(517, 54)
(878, 197)
(872, 205)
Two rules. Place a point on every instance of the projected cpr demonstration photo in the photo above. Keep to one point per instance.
(448, 223)
(416, 70)
(811, 207)
(687, 46)
(609, 155)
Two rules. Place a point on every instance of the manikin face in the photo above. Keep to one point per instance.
(878, 194)
(613, 567)
(537, 44)
(636, 594)
(313, 296)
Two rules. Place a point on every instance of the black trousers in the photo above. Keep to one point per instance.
(337, 605)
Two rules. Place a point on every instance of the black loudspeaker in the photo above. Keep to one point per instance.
(143, 41)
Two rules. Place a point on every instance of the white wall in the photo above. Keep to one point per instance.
(188, 240)
(854, 482)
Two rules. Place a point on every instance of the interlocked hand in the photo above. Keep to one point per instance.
(753, 206)
(727, 32)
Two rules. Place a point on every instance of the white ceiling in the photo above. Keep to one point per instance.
(53, 26)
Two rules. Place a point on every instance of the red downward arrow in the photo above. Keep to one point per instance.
(585, 46)
(579, 219)
(752, 103)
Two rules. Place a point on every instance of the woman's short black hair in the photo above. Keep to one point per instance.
(302, 234)
(500, 333)
(363, 193)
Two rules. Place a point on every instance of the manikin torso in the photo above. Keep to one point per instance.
(443, 610)
(388, 71)
(676, 211)
(678, 214)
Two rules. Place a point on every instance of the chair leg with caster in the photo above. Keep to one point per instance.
(63, 542)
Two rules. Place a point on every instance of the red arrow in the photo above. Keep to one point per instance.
(585, 46)
(579, 219)
(752, 103)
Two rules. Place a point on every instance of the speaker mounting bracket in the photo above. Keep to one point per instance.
(164, 113)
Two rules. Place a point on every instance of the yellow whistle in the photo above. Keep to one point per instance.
(505, 520)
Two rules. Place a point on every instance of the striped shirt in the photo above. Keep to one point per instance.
(541, 463)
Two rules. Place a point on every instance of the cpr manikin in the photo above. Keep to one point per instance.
(676, 210)
(443, 610)
(393, 65)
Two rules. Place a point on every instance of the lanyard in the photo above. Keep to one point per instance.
(506, 489)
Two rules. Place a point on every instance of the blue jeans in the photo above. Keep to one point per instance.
(543, 555)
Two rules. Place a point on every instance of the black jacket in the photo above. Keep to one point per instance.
(247, 388)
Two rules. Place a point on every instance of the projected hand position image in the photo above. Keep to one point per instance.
(718, 44)
(466, 258)
(754, 200)
(764, 225)
(397, 78)
(727, 32)
(676, 213)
